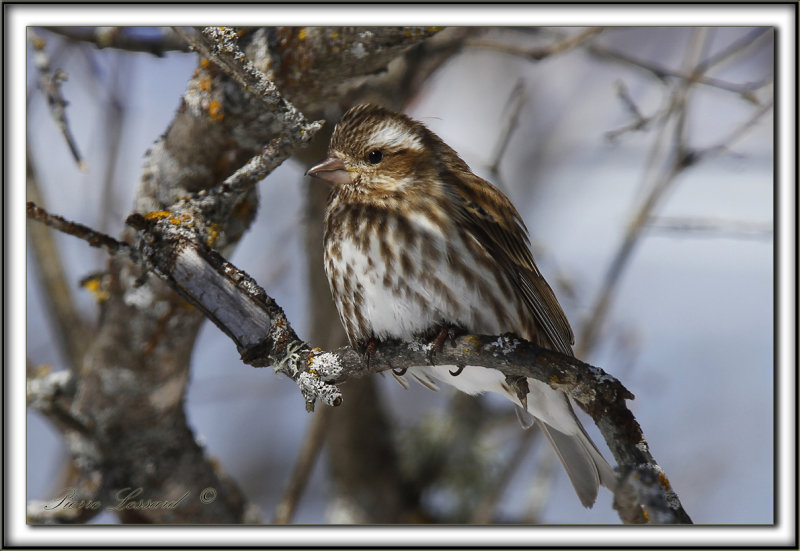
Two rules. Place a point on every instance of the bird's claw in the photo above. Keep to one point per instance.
(369, 346)
(445, 331)
(459, 369)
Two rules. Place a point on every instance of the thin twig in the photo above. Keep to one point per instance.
(69, 326)
(121, 38)
(706, 227)
(50, 83)
(312, 445)
(592, 326)
(734, 136)
(95, 239)
(514, 104)
(537, 54)
(661, 72)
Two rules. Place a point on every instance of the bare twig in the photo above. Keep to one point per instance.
(312, 445)
(537, 54)
(514, 104)
(95, 239)
(726, 142)
(69, 326)
(707, 227)
(680, 157)
(124, 38)
(662, 72)
(50, 83)
(639, 122)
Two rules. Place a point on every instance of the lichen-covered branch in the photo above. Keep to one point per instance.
(267, 338)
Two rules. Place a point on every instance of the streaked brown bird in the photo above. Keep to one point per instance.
(416, 243)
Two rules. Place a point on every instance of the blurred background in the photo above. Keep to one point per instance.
(665, 273)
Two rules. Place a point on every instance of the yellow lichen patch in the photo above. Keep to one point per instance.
(205, 63)
(213, 234)
(302, 34)
(157, 215)
(215, 111)
(334, 35)
(645, 515)
(94, 287)
(473, 341)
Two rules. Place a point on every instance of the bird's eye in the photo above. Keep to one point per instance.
(375, 156)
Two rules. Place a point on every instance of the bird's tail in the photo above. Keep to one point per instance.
(550, 409)
(586, 468)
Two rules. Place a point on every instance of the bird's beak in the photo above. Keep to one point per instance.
(332, 171)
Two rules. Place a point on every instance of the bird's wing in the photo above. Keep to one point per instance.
(490, 217)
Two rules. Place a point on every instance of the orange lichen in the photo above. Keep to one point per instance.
(205, 63)
(215, 111)
(157, 215)
(645, 515)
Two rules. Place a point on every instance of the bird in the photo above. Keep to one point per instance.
(416, 244)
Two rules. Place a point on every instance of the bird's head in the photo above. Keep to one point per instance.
(376, 151)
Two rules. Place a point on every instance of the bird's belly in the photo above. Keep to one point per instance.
(390, 290)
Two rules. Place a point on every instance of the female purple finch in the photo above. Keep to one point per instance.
(415, 242)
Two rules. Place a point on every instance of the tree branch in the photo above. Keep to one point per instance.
(50, 83)
(537, 54)
(263, 336)
(69, 326)
(120, 38)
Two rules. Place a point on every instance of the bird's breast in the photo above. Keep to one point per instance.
(398, 276)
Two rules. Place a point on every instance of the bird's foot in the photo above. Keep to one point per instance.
(446, 330)
(368, 346)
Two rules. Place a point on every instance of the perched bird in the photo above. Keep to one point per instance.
(416, 243)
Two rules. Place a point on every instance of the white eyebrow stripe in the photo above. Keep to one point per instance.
(392, 135)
